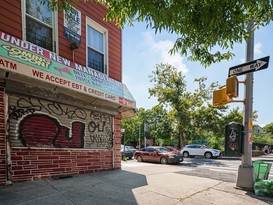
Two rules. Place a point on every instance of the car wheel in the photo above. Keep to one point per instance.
(163, 160)
(186, 154)
(208, 155)
(139, 159)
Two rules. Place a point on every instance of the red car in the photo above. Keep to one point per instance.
(172, 149)
(158, 154)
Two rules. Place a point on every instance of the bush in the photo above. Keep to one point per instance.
(216, 143)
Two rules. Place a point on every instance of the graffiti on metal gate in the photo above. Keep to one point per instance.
(40, 123)
(30, 105)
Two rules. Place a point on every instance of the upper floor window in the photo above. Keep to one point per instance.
(96, 46)
(39, 23)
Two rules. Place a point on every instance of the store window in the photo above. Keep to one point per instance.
(38, 23)
(96, 46)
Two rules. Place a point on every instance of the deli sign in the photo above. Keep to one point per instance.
(30, 60)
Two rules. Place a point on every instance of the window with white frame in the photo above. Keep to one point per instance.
(96, 46)
(39, 23)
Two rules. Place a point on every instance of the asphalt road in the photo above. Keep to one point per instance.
(219, 169)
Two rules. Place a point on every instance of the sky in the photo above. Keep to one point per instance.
(142, 49)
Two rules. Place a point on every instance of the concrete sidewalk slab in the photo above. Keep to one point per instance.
(225, 193)
(148, 184)
(169, 188)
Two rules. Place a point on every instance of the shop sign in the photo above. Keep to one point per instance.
(30, 60)
(72, 24)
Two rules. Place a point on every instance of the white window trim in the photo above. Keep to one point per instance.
(104, 31)
(54, 26)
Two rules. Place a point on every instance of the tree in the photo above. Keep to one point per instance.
(268, 129)
(200, 25)
(157, 120)
(171, 90)
(134, 127)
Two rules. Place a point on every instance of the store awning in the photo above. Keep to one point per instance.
(33, 62)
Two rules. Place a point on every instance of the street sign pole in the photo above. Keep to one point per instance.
(245, 178)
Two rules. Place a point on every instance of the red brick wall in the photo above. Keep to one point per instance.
(32, 164)
(2, 137)
(117, 142)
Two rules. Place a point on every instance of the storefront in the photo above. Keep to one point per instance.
(58, 118)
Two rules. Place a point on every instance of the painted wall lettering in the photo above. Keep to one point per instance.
(40, 123)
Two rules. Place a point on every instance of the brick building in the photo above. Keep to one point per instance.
(61, 91)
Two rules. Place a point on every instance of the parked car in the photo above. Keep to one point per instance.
(172, 149)
(200, 150)
(157, 154)
(126, 153)
(132, 148)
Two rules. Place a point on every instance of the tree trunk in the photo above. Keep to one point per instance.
(181, 140)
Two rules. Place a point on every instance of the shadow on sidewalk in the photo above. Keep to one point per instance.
(268, 200)
(109, 187)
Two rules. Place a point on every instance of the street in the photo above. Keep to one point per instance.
(223, 169)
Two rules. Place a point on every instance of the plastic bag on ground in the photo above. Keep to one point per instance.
(264, 188)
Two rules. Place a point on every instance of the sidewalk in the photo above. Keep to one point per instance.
(132, 185)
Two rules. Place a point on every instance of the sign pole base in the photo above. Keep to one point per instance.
(246, 177)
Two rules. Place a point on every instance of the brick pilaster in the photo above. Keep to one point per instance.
(2, 136)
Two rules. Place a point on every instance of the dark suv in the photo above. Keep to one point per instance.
(127, 153)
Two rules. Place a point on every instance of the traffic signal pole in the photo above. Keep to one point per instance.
(246, 178)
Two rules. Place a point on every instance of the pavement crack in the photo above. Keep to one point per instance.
(198, 192)
(61, 193)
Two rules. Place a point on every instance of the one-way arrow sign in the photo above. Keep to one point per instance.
(248, 67)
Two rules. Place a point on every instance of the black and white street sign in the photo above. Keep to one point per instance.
(248, 67)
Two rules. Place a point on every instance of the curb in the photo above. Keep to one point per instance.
(230, 158)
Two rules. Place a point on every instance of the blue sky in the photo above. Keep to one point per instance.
(143, 49)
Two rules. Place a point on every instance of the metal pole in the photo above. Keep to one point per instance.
(246, 178)
(124, 140)
(139, 137)
(145, 130)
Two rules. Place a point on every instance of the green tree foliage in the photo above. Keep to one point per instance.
(159, 126)
(158, 123)
(200, 25)
(266, 137)
(268, 129)
(170, 89)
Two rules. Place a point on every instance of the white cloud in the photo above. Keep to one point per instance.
(257, 49)
(139, 89)
(161, 49)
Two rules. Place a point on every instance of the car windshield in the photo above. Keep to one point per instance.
(126, 148)
(162, 149)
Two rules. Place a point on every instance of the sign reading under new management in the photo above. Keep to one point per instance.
(248, 67)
